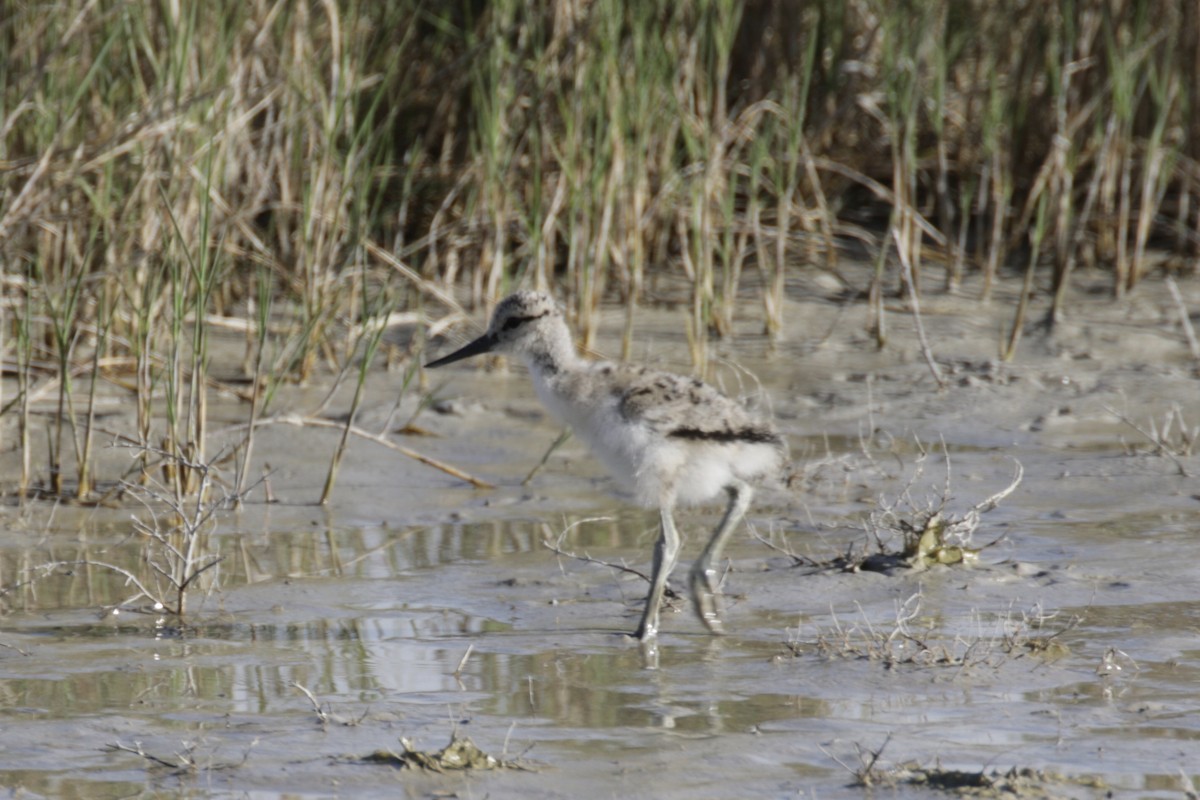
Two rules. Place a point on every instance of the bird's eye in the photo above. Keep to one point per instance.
(513, 322)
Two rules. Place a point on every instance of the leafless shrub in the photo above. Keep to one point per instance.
(911, 640)
(928, 534)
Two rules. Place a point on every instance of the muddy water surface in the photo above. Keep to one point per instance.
(416, 606)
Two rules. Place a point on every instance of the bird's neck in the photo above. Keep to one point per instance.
(552, 354)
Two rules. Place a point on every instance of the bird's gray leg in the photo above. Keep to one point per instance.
(702, 579)
(666, 551)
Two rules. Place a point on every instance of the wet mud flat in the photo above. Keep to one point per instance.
(1062, 661)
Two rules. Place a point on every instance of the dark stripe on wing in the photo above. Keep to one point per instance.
(748, 435)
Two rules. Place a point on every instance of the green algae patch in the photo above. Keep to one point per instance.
(460, 754)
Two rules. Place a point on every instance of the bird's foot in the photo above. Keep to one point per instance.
(704, 599)
(646, 630)
(714, 624)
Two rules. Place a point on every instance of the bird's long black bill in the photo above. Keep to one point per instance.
(483, 344)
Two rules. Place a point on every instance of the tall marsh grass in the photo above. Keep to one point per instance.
(170, 167)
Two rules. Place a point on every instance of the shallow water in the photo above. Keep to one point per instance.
(416, 606)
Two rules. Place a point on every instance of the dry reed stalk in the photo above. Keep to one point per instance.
(957, 263)
(368, 342)
(408, 452)
(259, 396)
(914, 301)
(1155, 168)
(1062, 274)
(1018, 324)
(1185, 321)
(1001, 191)
(24, 385)
(84, 461)
(825, 216)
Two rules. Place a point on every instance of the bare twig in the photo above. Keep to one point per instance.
(317, 422)
(1184, 318)
(915, 304)
(557, 443)
(14, 647)
(1160, 447)
(556, 547)
(322, 714)
(866, 774)
(462, 662)
(183, 765)
(186, 760)
(785, 551)
(130, 578)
